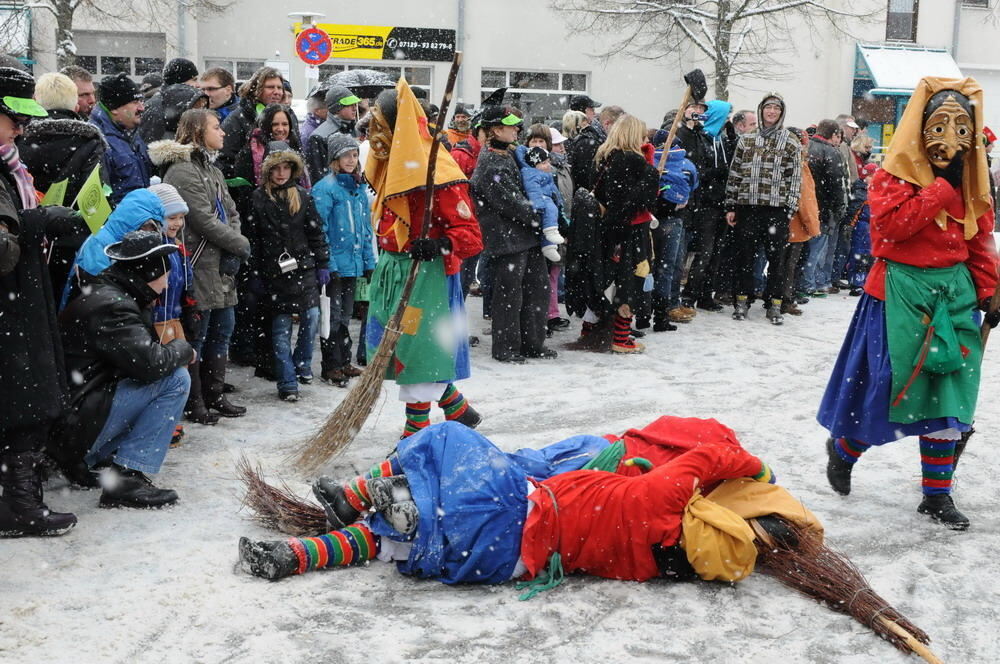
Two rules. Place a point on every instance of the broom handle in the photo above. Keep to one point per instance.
(916, 646)
(673, 128)
(411, 279)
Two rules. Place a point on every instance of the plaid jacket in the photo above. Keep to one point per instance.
(765, 171)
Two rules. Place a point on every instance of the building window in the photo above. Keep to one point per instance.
(240, 69)
(136, 53)
(145, 66)
(984, 4)
(901, 21)
(541, 95)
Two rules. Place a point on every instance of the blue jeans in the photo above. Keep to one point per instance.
(141, 422)
(843, 250)
(824, 274)
(668, 238)
(812, 270)
(288, 364)
(216, 329)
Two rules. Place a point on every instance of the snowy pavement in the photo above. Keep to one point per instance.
(162, 586)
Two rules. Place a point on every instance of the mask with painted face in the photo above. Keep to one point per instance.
(379, 135)
(948, 130)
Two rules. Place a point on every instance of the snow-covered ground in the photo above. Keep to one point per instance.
(163, 586)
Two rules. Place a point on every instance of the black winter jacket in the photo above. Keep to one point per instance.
(108, 336)
(628, 185)
(31, 356)
(581, 154)
(62, 147)
(237, 126)
(275, 231)
(711, 156)
(506, 216)
(827, 168)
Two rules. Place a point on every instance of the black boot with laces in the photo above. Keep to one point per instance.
(941, 507)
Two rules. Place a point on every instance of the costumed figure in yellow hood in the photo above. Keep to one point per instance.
(678, 499)
(433, 350)
(910, 362)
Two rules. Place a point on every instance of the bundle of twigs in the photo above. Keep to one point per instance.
(343, 424)
(277, 507)
(817, 571)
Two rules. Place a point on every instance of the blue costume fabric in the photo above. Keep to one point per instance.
(856, 402)
(472, 499)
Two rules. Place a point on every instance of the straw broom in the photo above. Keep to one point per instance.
(277, 507)
(804, 563)
(340, 428)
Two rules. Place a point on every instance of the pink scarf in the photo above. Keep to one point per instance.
(25, 183)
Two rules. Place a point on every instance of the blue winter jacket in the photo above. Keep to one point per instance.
(168, 305)
(679, 177)
(540, 188)
(343, 207)
(125, 165)
(136, 208)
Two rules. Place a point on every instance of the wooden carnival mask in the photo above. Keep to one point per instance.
(948, 128)
(379, 135)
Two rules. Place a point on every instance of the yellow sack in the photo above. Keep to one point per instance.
(749, 498)
(718, 543)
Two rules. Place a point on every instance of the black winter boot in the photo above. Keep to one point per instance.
(194, 409)
(838, 471)
(269, 560)
(941, 507)
(960, 447)
(213, 380)
(22, 512)
(470, 418)
(339, 512)
(124, 487)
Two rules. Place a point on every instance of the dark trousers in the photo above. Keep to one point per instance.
(724, 260)
(469, 267)
(793, 265)
(760, 226)
(29, 438)
(709, 223)
(336, 349)
(520, 303)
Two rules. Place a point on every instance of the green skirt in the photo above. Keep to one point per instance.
(934, 343)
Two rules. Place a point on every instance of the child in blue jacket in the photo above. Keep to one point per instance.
(540, 186)
(343, 206)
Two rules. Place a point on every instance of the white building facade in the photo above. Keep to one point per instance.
(526, 46)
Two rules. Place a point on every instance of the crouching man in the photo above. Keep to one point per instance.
(129, 389)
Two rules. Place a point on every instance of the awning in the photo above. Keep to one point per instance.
(896, 70)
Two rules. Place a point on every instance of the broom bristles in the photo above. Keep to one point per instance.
(344, 423)
(819, 572)
(278, 507)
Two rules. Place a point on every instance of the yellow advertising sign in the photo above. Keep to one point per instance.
(383, 42)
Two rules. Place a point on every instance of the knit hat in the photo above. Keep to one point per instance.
(17, 89)
(338, 97)
(988, 136)
(150, 84)
(179, 70)
(536, 155)
(143, 253)
(868, 169)
(118, 90)
(171, 199)
(462, 109)
(337, 145)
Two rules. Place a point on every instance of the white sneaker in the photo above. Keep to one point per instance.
(551, 252)
(553, 235)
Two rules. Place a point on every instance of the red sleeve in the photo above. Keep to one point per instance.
(701, 467)
(464, 160)
(454, 205)
(899, 210)
(982, 261)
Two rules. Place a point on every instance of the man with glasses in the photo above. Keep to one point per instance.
(220, 87)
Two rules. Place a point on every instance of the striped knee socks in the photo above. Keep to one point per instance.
(350, 546)
(623, 328)
(453, 403)
(418, 416)
(937, 465)
(356, 491)
(850, 449)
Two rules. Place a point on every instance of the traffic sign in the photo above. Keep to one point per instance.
(313, 46)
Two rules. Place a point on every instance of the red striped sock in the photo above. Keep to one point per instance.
(937, 465)
(349, 546)
(356, 491)
(623, 328)
(453, 403)
(851, 449)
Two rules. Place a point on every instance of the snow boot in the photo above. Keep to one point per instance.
(213, 379)
(194, 409)
(352, 371)
(941, 508)
(470, 418)
(774, 313)
(838, 471)
(22, 512)
(708, 304)
(740, 308)
(269, 560)
(791, 309)
(124, 487)
(330, 494)
(335, 377)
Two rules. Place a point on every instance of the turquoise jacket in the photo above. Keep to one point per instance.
(344, 209)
